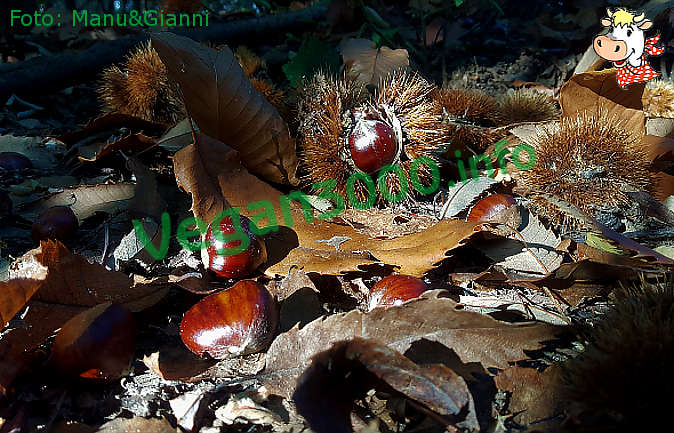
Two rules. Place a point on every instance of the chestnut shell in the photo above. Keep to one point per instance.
(236, 321)
(235, 266)
(97, 344)
(372, 144)
(394, 290)
(488, 208)
(58, 222)
(14, 161)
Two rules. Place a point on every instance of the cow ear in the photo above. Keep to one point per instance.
(606, 22)
(645, 25)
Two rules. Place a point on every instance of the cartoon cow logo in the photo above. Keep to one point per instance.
(624, 45)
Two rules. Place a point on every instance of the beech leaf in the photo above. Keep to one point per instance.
(371, 64)
(226, 106)
(599, 92)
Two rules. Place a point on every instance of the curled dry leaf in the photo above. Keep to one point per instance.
(225, 105)
(472, 336)
(369, 63)
(212, 173)
(349, 369)
(71, 285)
(599, 91)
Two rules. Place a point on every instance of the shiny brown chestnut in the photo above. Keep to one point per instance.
(238, 265)
(394, 290)
(491, 208)
(58, 222)
(372, 144)
(97, 344)
(236, 321)
(14, 161)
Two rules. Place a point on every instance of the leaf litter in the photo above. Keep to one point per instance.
(426, 359)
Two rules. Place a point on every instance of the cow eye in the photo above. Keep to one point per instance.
(629, 33)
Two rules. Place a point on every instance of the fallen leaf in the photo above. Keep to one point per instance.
(15, 294)
(225, 105)
(84, 200)
(472, 336)
(349, 369)
(535, 396)
(462, 195)
(178, 137)
(599, 92)
(524, 261)
(125, 425)
(369, 63)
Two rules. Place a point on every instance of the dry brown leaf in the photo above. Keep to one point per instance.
(538, 258)
(349, 369)
(599, 91)
(15, 294)
(110, 124)
(535, 395)
(212, 173)
(84, 200)
(71, 285)
(125, 425)
(659, 147)
(472, 336)
(369, 63)
(225, 105)
(72, 280)
(135, 143)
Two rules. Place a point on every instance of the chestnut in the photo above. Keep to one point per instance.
(491, 208)
(372, 144)
(14, 161)
(394, 290)
(236, 321)
(238, 265)
(58, 222)
(96, 344)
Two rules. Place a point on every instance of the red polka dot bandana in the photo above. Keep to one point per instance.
(629, 74)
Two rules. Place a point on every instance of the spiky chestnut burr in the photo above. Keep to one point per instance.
(141, 88)
(526, 105)
(658, 99)
(587, 161)
(335, 116)
(468, 115)
(628, 354)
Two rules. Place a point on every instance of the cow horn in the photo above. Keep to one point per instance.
(609, 13)
(639, 18)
